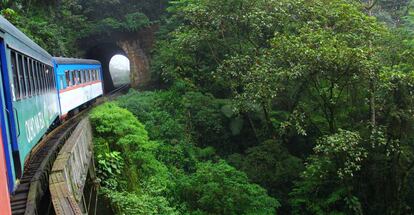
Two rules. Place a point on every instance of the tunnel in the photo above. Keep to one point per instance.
(103, 52)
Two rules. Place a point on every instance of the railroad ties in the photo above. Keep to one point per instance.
(32, 194)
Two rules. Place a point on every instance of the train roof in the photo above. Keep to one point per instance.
(24, 44)
(69, 61)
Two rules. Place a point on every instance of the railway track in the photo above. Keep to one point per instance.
(32, 194)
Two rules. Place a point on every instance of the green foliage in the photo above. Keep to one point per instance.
(113, 123)
(136, 21)
(217, 188)
(58, 26)
(55, 31)
(326, 184)
(166, 173)
(271, 166)
(109, 168)
(302, 73)
(146, 107)
(129, 203)
(137, 171)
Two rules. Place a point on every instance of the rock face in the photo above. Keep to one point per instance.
(138, 50)
(140, 73)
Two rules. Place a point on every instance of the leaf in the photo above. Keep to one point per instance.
(236, 125)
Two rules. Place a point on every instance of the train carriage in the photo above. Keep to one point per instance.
(35, 89)
(30, 95)
(79, 81)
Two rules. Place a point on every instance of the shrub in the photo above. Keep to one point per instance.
(218, 188)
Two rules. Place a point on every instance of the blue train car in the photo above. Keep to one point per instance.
(28, 97)
(79, 81)
(35, 91)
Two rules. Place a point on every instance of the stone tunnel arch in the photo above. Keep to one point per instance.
(135, 46)
(104, 52)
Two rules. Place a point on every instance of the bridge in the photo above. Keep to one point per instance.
(59, 177)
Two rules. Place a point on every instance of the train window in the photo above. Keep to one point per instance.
(78, 77)
(34, 74)
(15, 76)
(45, 75)
(67, 78)
(90, 75)
(47, 81)
(26, 63)
(97, 75)
(20, 69)
(83, 76)
(35, 83)
(52, 76)
(23, 68)
(49, 73)
(49, 78)
(38, 72)
(30, 75)
(42, 78)
(61, 86)
(72, 77)
(39, 77)
(35, 79)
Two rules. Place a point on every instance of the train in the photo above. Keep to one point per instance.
(37, 92)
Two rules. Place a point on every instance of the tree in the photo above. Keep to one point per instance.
(327, 184)
(217, 188)
(271, 166)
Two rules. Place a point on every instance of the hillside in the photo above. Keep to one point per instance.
(261, 107)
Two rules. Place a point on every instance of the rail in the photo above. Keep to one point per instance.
(32, 195)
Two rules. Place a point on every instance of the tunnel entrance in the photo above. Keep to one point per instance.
(104, 53)
(120, 69)
(136, 46)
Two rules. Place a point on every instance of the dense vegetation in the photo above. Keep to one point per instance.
(164, 173)
(58, 25)
(265, 106)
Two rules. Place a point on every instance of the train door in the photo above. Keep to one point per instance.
(6, 170)
(4, 192)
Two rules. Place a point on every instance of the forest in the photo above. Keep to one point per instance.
(257, 107)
